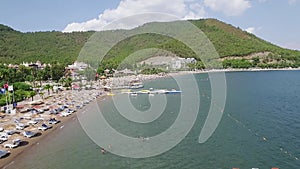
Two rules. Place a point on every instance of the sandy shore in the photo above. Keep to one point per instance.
(62, 98)
(126, 79)
(29, 142)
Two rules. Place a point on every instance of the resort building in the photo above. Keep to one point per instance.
(168, 62)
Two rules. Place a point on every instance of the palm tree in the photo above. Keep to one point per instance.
(48, 87)
(39, 77)
(30, 94)
(42, 94)
(68, 82)
(62, 81)
(27, 94)
(33, 74)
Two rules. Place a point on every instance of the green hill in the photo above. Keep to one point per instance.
(235, 46)
(16, 47)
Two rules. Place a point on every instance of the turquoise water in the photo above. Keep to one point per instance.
(259, 128)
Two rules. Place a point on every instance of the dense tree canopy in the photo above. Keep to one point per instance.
(64, 48)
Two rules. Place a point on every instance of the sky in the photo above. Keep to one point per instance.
(276, 21)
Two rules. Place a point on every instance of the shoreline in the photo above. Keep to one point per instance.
(231, 70)
(28, 143)
(179, 73)
(19, 151)
(14, 153)
(144, 78)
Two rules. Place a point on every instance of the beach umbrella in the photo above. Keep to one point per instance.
(20, 106)
(102, 77)
(37, 107)
(53, 107)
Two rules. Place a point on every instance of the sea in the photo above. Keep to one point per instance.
(259, 128)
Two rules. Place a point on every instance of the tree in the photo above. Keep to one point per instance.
(39, 76)
(255, 61)
(19, 95)
(47, 73)
(57, 71)
(30, 94)
(42, 94)
(34, 76)
(62, 81)
(197, 65)
(22, 72)
(48, 87)
(29, 78)
(149, 71)
(89, 73)
(4, 74)
(68, 82)
(21, 86)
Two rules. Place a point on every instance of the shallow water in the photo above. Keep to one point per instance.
(259, 128)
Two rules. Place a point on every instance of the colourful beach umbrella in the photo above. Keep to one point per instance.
(2, 91)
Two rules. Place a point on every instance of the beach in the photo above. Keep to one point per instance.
(74, 101)
(81, 99)
(29, 142)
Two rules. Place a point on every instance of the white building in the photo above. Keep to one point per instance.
(169, 62)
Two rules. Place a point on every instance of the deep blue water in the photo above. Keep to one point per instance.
(259, 128)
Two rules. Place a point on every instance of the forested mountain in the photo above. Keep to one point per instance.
(16, 47)
(235, 46)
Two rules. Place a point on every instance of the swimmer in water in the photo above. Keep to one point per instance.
(103, 151)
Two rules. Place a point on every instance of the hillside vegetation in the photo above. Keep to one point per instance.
(48, 47)
(230, 42)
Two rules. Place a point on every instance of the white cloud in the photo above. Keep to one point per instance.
(250, 30)
(229, 8)
(291, 2)
(253, 30)
(183, 9)
(262, 1)
(195, 10)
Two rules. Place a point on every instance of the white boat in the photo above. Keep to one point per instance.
(173, 91)
(161, 91)
(143, 92)
(136, 85)
(133, 94)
